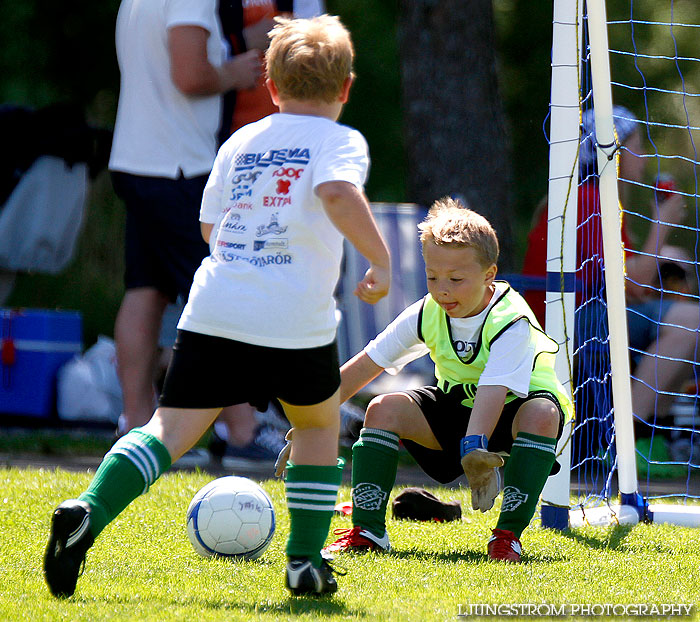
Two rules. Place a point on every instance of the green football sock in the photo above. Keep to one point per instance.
(524, 477)
(311, 495)
(127, 471)
(375, 458)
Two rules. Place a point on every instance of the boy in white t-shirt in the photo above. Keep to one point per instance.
(260, 319)
(496, 392)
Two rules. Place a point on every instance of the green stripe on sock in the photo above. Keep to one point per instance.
(524, 477)
(533, 441)
(311, 496)
(378, 438)
(126, 472)
(374, 466)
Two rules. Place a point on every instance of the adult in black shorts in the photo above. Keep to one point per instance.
(163, 249)
(172, 74)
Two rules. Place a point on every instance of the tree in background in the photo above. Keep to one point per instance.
(454, 124)
(429, 136)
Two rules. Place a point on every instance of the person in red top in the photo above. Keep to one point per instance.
(589, 245)
(245, 24)
(662, 353)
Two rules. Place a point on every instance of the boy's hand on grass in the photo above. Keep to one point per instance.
(481, 468)
(283, 456)
(375, 285)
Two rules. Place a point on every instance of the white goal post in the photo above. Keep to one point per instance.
(565, 117)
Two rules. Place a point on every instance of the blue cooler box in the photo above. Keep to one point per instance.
(34, 343)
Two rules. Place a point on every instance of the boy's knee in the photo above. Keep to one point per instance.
(383, 413)
(539, 416)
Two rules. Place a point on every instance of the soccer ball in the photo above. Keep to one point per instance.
(231, 517)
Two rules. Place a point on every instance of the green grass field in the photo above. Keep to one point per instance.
(143, 568)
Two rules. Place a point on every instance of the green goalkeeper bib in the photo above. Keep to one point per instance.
(451, 370)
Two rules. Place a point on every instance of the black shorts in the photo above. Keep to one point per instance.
(163, 245)
(213, 372)
(448, 420)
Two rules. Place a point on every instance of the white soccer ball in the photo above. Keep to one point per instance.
(231, 517)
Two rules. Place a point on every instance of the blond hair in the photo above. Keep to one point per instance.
(310, 59)
(449, 222)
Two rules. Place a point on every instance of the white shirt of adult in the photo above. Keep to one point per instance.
(510, 361)
(159, 131)
(276, 255)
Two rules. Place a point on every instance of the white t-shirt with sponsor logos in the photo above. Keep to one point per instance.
(275, 254)
(159, 131)
(510, 361)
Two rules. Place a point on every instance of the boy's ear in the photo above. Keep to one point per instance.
(274, 93)
(345, 90)
(491, 274)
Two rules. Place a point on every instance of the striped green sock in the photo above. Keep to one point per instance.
(311, 495)
(524, 477)
(127, 471)
(375, 458)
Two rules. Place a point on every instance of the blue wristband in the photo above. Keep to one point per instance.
(474, 441)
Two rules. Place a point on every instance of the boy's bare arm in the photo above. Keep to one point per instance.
(359, 371)
(349, 211)
(479, 464)
(488, 405)
(206, 229)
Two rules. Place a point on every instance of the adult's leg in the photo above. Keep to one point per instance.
(670, 360)
(241, 424)
(136, 337)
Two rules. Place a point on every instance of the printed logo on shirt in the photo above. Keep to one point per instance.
(260, 261)
(266, 260)
(240, 192)
(464, 349)
(228, 257)
(283, 186)
(294, 173)
(273, 157)
(239, 205)
(234, 245)
(233, 224)
(251, 177)
(273, 227)
(273, 244)
(243, 184)
(276, 201)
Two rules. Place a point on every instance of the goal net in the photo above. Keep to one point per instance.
(622, 259)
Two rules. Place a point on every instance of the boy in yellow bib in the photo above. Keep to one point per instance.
(496, 392)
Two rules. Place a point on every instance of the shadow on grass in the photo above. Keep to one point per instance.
(298, 605)
(611, 539)
(325, 606)
(468, 556)
(454, 556)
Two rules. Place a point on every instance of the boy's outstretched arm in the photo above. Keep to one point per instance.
(348, 209)
(488, 406)
(479, 464)
(359, 371)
